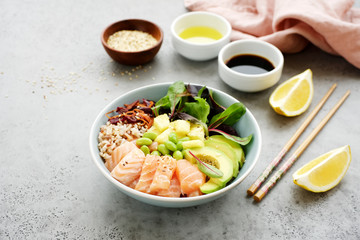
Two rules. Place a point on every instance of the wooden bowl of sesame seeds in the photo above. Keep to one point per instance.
(132, 41)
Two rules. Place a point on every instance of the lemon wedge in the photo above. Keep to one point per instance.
(325, 171)
(293, 97)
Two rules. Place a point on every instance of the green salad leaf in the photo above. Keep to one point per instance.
(199, 109)
(162, 103)
(242, 141)
(171, 99)
(196, 104)
(174, 92)
(229, 116)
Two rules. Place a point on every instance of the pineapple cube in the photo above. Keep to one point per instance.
(164, 136)
(161, 122)
(172, 125)
(153, 129)
(182, 127)
(193, 144)
(196, 132)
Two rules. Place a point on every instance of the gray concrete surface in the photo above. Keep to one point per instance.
(54, 79)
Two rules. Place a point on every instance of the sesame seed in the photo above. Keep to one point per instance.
(131, 40)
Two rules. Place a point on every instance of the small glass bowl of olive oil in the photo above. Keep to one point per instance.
(200, 36)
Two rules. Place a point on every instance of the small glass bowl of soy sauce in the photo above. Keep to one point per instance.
(250, 65)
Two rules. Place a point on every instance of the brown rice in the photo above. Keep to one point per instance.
(113, 135)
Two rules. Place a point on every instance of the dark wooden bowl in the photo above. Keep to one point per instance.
(133, 58)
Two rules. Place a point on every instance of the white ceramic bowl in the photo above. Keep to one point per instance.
(245, 126)
(250, 82)
(200, 51)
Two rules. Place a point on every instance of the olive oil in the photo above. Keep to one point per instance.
(201, 34)
(249, 64)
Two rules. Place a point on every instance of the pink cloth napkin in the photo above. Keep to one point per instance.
(332, 25)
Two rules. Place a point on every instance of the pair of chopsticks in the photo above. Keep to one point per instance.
(290, 161)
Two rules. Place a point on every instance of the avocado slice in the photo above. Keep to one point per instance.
(218, 159)
(236, 147)
(210, 187)
(228, 150)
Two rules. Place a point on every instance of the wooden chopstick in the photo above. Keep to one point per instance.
(286, 166)
(256, 185)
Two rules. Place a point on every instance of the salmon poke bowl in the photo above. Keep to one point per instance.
(175, 144)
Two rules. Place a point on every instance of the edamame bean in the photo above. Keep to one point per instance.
(162, 148)
(143, 141)
(177, 155)
(145, 149)
(173, 137)
(179, 145)
(150, 135)
(155, 153)
(170, 145)
(186, 153)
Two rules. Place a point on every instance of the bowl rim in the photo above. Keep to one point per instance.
(224, 37)
(159, 42)
(160, 199)
(250, 77)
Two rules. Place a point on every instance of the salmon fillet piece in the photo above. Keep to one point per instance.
(190, 177)
(147, 173)
(118, 154)
(174, 189)
(163, 174)
(195, 193)
(129, 168)
(133, 184)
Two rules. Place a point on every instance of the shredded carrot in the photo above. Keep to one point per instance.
(135, 112)
(107, 114)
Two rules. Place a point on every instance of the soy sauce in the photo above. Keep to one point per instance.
(250, 64)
